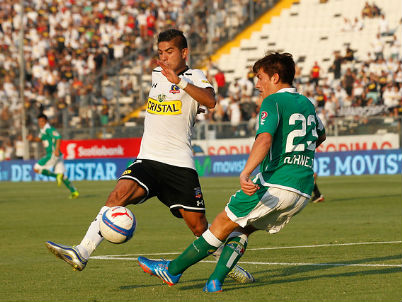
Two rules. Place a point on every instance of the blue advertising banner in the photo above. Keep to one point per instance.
(79, 169)
(325, 164)
(358, 162)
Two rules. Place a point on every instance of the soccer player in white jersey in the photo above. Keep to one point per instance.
(164, 167)
(288, 133)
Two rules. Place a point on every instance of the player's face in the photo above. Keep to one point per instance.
(172, 56)
(41, 122)
(265, 83)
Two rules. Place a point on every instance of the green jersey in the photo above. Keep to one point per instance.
(49, 136)
(292, 121)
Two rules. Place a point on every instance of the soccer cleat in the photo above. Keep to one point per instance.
(69, 254)
(74, 195)
(59, 179)
(318, 199)
(158, 268)
(213, 286)
(240, 275)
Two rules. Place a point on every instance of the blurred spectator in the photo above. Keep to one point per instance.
(320, 98)
(392, 98)
(378, 47)
(370, 11)
(8, 150)
(221, 83)
(234, 89)
(336, 66)
(349, 54)
(340, 94)
(234, 114)
(315, 74)
(357, 24)
(346, 25)
(383, 27)
(395, 48)
(19, 148)
(246, 90)
(104, 114)
(251, 75)
(348, 81)
(372, 90)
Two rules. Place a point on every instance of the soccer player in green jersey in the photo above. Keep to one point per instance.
(53, 159)
(288, 133)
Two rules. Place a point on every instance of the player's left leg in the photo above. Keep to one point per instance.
(233, 249)
(44, 165)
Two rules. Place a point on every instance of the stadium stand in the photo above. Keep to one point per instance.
(88, 62)
(348, 55)
(74, 48)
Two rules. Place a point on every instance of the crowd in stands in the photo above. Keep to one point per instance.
(350, 87)
(67, 42)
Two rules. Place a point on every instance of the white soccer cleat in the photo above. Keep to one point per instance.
(69, 254)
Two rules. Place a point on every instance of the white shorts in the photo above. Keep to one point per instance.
(55, 163)
(273, 211)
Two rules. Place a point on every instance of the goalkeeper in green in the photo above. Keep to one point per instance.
(53, 160)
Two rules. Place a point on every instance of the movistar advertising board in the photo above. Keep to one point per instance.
(326, 164)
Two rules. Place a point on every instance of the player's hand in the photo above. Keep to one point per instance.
(168, 72)
(57, 153)
(247, 186)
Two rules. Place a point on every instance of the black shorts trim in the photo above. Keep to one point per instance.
(186, 208)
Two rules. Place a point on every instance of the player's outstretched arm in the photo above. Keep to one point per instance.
(32, 138)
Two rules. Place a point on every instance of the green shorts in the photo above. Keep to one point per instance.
(44, 160)
(241, 204)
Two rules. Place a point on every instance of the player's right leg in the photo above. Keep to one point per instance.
(127, 191)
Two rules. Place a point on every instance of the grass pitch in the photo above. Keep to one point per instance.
(347, 248)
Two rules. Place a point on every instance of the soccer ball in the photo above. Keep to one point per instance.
(117, 224)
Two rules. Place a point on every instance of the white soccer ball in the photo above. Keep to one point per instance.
(117, 224)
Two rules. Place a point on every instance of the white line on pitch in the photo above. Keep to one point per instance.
(268, 263)
(323, 245)
(266, 248)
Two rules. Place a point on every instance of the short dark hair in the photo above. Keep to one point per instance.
(173, 34)
(280, 63)
(42, 115)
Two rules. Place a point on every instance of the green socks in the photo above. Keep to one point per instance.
(195, 252)
(66, 182)
(69, 185)
(232, 252)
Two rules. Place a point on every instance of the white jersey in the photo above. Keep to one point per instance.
(169, 119)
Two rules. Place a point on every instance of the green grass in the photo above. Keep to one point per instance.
(363, 209)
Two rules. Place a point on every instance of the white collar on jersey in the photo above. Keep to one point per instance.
(290, 90)
(43, 130)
